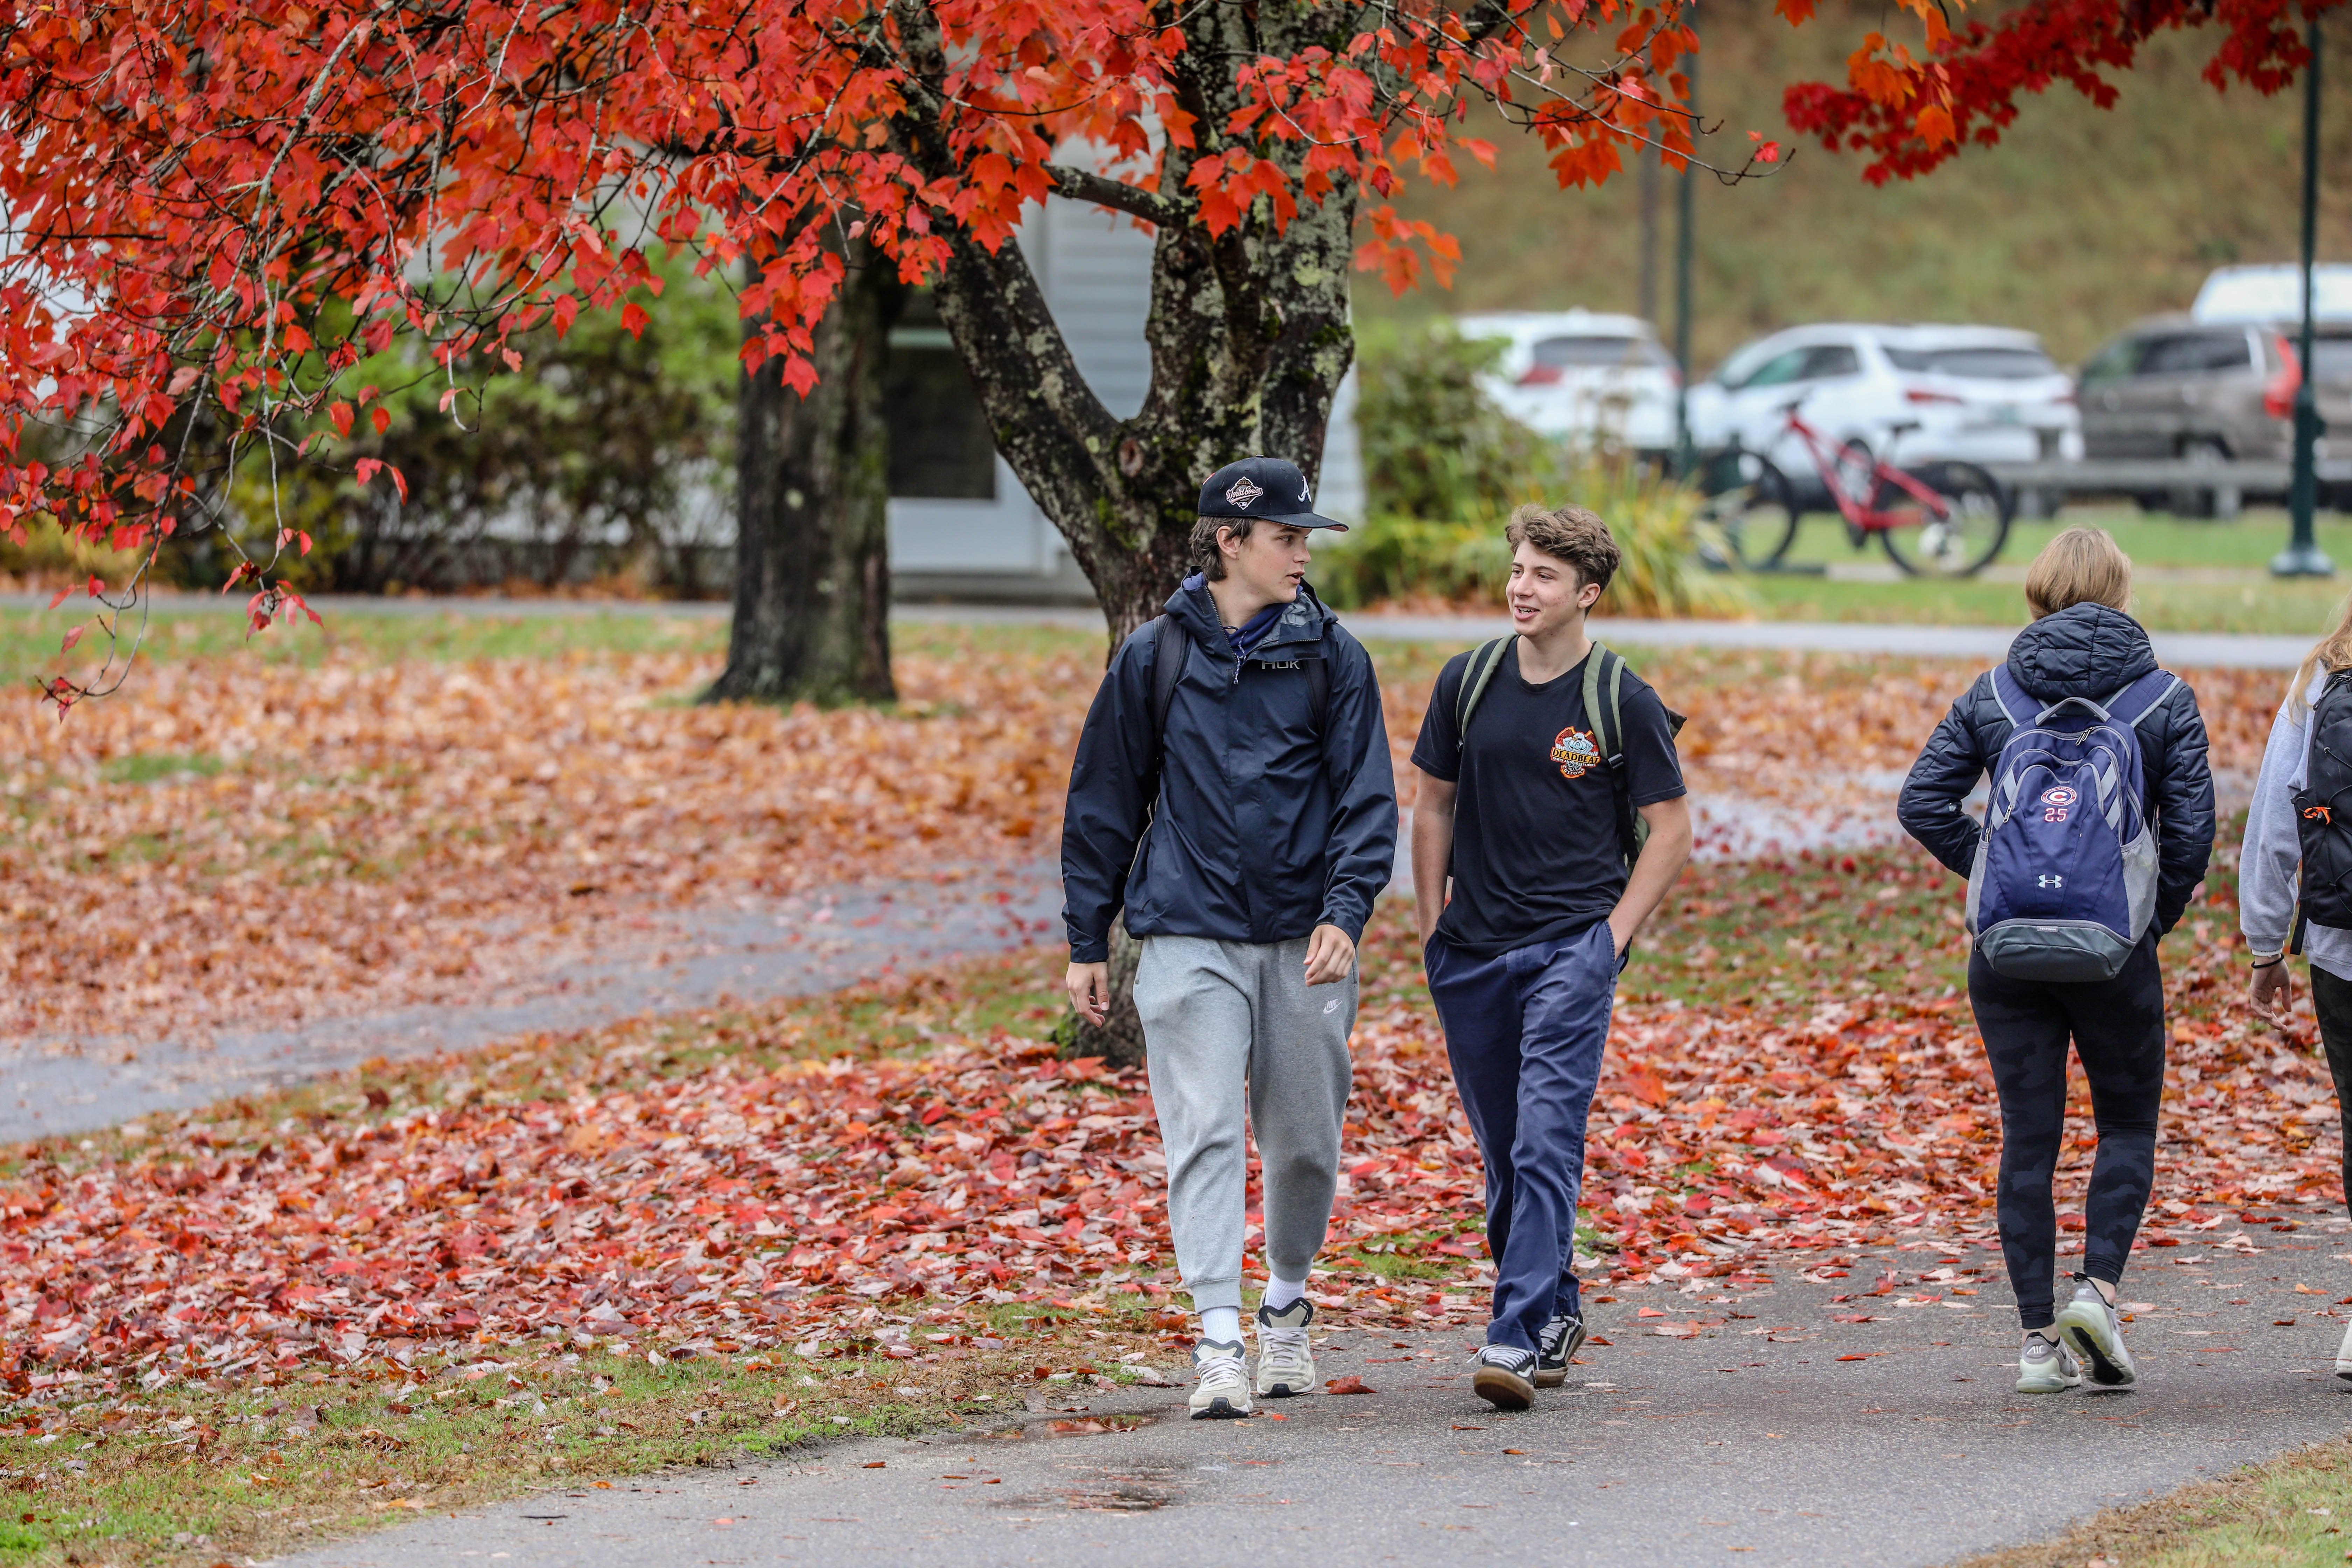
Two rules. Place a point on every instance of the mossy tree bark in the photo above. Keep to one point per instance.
(1118, 1038)
(813, 496)
(1248, 329)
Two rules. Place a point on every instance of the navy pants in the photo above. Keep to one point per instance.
(1525, 1031)
(2117, 1028)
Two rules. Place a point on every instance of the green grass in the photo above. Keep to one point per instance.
(30, 638)
(2190, 576)
(2155, 540)
(2298, 609)
(149, 767)
(2293, 1511)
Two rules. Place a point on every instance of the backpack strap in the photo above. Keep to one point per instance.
(2143, 697)
(1319, 692)
(1485, 661)
(1605, 693)
(2010, 697)
(1171, 647)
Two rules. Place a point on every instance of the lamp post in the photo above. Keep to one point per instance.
(2302, 557)
(1683, 196)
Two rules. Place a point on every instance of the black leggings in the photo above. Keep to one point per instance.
(2331, 999)
(2117, 1029)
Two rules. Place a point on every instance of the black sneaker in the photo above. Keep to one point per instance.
(1556, 1346)
(1505, 1376)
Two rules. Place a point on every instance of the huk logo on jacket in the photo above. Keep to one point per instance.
(1575, 752)
(1244, 492)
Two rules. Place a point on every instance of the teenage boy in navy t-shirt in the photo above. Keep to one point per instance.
(1531, 817)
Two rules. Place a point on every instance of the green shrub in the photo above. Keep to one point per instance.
(1435, 444)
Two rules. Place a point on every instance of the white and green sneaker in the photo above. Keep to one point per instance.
(2045, 1366)
(2093, 1331)
(1221, 1384)
(1286, 1365)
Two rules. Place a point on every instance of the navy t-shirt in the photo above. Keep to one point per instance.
(1536, 855)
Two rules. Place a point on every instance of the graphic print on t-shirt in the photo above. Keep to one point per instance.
(1575, 751)
(1535, 850)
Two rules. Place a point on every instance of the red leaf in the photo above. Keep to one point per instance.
(72, 637)
(1351, 1384)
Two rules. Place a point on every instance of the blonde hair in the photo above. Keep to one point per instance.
(2081, 566)
(2330, 653)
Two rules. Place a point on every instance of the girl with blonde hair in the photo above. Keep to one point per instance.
(2294, 872)
(2082, 650)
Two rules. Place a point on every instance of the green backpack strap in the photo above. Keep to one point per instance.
(1604, 710)
(1485, 661)
(1604, 691)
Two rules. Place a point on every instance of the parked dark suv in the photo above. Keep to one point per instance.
(2174, 387)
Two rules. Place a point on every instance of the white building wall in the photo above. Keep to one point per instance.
(1095, 268)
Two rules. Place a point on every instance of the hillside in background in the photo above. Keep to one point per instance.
(2080, 221)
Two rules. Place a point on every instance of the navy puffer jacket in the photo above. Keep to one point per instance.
(2089, 651)
(1262, 827)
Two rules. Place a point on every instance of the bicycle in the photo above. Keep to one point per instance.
(1940, 520)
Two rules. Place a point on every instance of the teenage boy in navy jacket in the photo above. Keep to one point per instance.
(1240, 806)
(1531, 820)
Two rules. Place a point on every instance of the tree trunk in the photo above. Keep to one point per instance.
(1249, 330)
(1118, 1038)
(813, 495)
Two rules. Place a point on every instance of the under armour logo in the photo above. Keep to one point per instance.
(2049, 882)
(1244, 492)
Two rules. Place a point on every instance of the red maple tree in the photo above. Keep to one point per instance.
(1911, 111)
(217, 210)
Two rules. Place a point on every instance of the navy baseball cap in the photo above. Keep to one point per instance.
(1264, 487)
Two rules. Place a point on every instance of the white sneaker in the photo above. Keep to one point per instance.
(1286, 1366)
(2343, 1357)
(2045, 1366)
(2092, 1329)
(1221, 1388)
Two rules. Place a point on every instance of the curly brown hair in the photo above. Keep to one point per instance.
(1570, 533)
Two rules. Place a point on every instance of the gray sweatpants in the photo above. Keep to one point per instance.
(1229, 1025)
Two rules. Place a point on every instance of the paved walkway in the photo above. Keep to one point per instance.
(1741, 1445)
(662, 960)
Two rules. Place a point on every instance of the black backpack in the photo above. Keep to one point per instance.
(1604, 683)
(2323, 809)
(1171, 645)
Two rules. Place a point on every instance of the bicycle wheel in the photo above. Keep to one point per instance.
(1974, 526)
(1756, 519)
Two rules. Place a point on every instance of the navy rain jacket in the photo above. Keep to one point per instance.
(2087, 650)
(1262, 829)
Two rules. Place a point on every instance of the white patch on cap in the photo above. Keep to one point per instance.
(1244, 492)
(1306, 495)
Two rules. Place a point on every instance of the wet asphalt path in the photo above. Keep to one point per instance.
(1741, 1445)
(664, 961)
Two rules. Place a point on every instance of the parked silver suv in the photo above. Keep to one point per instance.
(2210, 392)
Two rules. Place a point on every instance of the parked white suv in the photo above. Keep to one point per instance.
(1912, 395)
(1582, 377)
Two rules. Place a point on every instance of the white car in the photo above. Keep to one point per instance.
(1582, 377)
(1910, 395)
